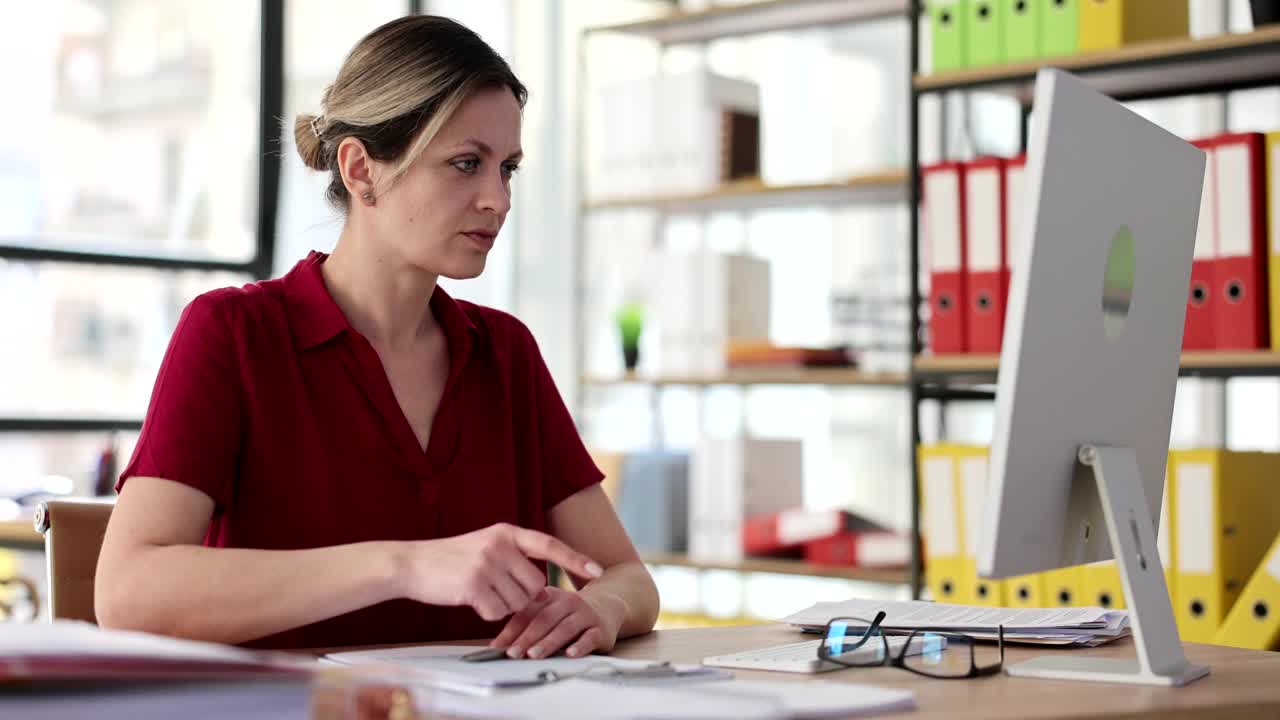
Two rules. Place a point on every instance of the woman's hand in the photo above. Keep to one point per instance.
(489, 570)
(555, 619)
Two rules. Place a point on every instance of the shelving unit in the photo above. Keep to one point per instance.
(783, 567)
(1218, 64)
(1221, 63)
(762, 376)
(886, 186)
(769, 16)
(1249, 363)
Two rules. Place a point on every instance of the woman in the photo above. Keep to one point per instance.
(346, 455)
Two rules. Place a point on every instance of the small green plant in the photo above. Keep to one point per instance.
(630, 319)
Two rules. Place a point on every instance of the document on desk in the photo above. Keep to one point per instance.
(278, 699)
(67, 670)
(1059, 626)
(442, 666)
(66, 651)
(583, 699)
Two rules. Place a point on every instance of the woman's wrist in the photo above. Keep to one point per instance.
(392, 566)
(612, 608)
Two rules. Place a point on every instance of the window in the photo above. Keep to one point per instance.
(138, 168)
(87, 340)
(139, 128)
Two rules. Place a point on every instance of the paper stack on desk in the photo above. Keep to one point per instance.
(71, 651)
(67, 670)
(1087, 626)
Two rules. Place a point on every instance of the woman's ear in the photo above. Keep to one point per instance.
(359, 171)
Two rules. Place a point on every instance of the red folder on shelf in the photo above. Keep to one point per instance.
(1240, 275)
(944, 231)
(861, 549)
(986, 254)
(786, 532)
(1198, 333)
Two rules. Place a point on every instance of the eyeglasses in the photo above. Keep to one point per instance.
(935, 653)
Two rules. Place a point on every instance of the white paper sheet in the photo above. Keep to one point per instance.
(917, 614)
(582, 699)
(67, 638)
(441, 666)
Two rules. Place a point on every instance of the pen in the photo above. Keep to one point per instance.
(485, 655)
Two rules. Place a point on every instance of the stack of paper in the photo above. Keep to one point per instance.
(72, 670)
(61, 651)
(1088, 626)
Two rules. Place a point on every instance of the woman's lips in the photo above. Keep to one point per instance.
(481, 238)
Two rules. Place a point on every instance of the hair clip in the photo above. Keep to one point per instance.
(315, 127)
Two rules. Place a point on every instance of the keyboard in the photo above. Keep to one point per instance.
(800, 657)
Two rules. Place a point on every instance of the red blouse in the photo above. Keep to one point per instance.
(269, 402)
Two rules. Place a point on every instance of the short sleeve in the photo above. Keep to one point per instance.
(567, 467)
(191, 433)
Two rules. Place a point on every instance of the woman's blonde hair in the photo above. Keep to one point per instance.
(398, 86)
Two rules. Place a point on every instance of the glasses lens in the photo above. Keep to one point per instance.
(852, 641)
(946, 654)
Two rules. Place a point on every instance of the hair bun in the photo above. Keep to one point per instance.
(310, 145)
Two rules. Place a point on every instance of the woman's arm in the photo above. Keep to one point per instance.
(154, 575)
(621, 603)
(587, 519)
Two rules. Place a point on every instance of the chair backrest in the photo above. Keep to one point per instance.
(73, 531)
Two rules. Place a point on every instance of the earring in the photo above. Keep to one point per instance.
(369, 199)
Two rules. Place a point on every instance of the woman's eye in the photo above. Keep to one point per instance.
(510, 169)
(467, 165)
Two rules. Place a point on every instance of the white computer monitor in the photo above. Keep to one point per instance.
(1090, 357)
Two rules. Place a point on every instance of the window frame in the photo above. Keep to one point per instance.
(270, 109)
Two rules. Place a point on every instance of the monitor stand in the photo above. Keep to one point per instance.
(1160, 659)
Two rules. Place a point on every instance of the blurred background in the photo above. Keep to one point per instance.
(711, 240)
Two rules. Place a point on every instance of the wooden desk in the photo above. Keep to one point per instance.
(1241, 684)
(20, 535)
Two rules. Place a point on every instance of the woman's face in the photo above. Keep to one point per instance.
(443, 215)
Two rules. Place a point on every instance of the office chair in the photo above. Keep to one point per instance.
(16, 591)
(73, 531)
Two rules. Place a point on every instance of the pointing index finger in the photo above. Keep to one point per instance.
(545, 547)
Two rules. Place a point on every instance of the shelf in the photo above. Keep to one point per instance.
(1229, 61)
(886, 186)
(763, 376)
(20, 534)
(956, 366)
(757, 17)
(1225, 364)
(785, 567)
